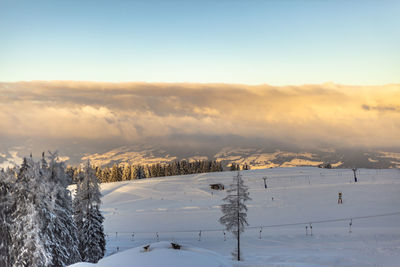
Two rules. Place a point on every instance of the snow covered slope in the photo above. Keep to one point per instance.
(162, 254)
(177, 208)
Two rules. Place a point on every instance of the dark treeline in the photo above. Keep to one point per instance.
(126, 172)
(236, 167)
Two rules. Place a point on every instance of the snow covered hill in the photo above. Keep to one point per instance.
(162, 254)
(184, 209)
(256, 158)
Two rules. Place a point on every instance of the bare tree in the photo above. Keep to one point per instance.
(235, 216)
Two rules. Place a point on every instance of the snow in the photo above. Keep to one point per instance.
(178, 207)
(162, 254)
(259, 160)
(129, 155)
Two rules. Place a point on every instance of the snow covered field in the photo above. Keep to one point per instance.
(177, 208)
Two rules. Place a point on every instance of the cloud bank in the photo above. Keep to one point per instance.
(307, 115)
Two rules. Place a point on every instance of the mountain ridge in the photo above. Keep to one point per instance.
(256, 158)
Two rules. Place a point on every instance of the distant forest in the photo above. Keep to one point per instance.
(126, 172)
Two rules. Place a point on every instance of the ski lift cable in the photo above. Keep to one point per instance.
(331, 220)
(268, 226)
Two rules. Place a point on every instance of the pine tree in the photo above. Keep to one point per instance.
(246, 167)
(116, 174)
(88, 217)
(133, 172)
(70, 174)
(93, 236)
(106, 175)
(99, 174)
(77, 172)
(233, 167)
(234, 211)
(140, 172)
(175, 168)
(6, 207)
(32, 201)
(126, 175)
(215, 166)
(62, 229)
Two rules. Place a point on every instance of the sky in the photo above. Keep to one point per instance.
(235, 42)
(89, 76)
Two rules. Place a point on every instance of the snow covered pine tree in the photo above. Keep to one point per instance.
(88, 217)
(6, 204)
(32, 201)
(62, 229)
(43, 231)
(234, 210)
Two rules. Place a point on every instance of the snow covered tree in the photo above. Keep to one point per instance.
(88, 217)
(32, 201)
(140, 172)
(116, 173)
(62, 231)
(234, 211)
(126, 174)
(106, 175)
(6, 207)
(69, 171)
(36, 214)
(133, 172)
(93, 239)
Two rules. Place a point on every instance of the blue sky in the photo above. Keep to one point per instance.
(254, 42)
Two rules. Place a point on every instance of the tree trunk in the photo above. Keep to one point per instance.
(238, 245)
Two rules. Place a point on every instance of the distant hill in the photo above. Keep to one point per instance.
(256, 158)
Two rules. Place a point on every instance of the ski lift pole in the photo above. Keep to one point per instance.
(350, 224)
(265, 182)
(355, 176)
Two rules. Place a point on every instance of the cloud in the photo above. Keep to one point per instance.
(307, 115)
(382, 108)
